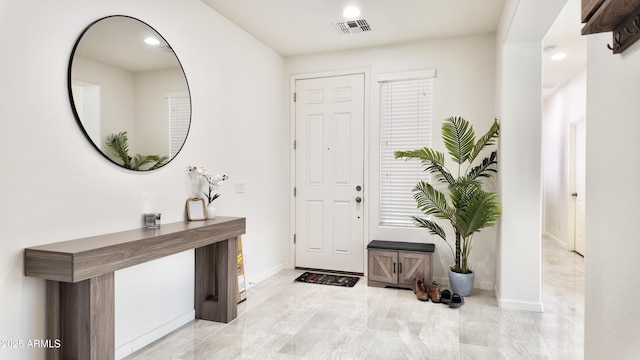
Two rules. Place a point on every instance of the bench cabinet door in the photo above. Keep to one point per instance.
(383, 266)
(414, 265)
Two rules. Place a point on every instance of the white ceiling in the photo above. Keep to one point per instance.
(565, 36)
(298, 27)
(295, 27)
(119, 41)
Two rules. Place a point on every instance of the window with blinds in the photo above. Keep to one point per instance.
(179, 119)
(405, 124)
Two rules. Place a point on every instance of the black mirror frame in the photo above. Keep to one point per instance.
(77, 116)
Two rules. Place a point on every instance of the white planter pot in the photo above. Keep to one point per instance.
(461, 284)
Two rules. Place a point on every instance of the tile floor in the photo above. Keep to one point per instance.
(282, 319)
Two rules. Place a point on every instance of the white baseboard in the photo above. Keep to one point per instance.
(562, 244)
(518, 305)
(265, 275)
(483, 285)
(153, 335)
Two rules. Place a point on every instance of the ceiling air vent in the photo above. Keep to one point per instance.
(353, 26)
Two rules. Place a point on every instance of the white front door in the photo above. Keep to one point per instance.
(329, 173)
(579, 149)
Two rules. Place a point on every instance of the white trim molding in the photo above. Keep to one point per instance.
(409, 75)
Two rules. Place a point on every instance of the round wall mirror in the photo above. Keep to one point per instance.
(129, 93)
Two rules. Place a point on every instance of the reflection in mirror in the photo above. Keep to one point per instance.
(125, 78)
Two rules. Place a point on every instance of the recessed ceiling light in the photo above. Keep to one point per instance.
(152, 41)
(351, 12)
(558, 56)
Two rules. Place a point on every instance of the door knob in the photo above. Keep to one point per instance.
(575, 194)
(358, 199)
(358, 188)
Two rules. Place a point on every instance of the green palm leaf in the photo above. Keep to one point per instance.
(432, 160)
(433, 228)
(160, 160)
(459, 138)
(431, 201)
(480, 211)
(486, 140)
(424, 154)
(117, 148)
(440, 173)
(487, 165)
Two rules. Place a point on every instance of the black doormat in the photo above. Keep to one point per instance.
(328, 279)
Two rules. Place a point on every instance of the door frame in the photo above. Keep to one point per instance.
(571, 244)
(292, 155)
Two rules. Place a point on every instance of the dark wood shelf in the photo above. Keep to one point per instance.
(622, 17)
(608, 15)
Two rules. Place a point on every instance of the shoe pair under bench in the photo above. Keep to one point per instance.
(433, 292)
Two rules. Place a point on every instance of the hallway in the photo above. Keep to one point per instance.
(282, 319)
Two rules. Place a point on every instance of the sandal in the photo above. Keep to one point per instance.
(456, 301)
(445, 296)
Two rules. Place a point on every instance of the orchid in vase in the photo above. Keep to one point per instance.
(213, 182)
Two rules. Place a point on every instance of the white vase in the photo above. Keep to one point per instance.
(211, 212)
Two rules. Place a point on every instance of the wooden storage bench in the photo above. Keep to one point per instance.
(397, 264)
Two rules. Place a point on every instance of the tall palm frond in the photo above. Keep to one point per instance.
(459, 138)
(433, 227)
(424, 154)
(487, 166)
(142, 160)
(431, 201)
(440, 173)
(486, 140)
(117, 148)
(432, 160)
(481, 210)
(160, 160)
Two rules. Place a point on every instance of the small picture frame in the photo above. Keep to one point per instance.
(196, 210)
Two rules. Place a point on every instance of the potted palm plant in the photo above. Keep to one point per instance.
(117, 148)
(464, 204)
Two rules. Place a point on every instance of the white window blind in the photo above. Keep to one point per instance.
(179, 119)
(405, 124)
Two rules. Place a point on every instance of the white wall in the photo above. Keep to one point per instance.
(520, 179)
(152, 115)
(464, 86)
(519, 56)
(117, 92)
(566, 106)
(55, 187)
(612, 212)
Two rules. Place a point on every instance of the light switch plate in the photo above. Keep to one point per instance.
(240, 187)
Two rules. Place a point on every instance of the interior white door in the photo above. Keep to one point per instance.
(329, 175)
(579, 194)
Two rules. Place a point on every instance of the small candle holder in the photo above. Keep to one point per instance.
(152, 220)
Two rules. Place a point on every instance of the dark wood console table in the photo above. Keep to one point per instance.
(80, 279)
